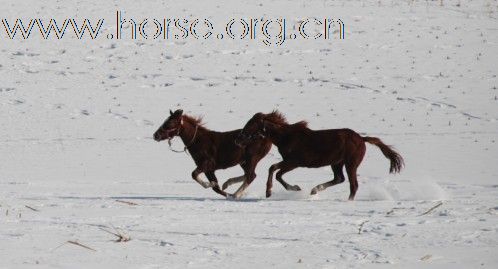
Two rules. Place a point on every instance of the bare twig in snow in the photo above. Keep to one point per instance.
(76, 243)
(34, 209)
(121, 237)
(81, 245)
(126, 202)
(394, 209)
(426, 257)
(432, 209)
(361, 226)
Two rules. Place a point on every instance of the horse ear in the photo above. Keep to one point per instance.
(170, 112)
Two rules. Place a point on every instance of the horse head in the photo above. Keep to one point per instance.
(171, 126)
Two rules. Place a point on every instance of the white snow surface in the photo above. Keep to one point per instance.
(77, 118)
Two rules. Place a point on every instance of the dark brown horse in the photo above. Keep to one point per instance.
(213, 150)
(302, 147)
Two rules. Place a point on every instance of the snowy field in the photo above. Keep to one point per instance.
(77, 157)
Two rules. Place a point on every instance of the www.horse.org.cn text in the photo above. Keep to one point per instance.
(268, 31)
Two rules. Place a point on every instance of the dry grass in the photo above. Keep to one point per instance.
(432, 209)
(121, 237)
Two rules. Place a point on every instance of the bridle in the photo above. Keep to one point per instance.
(185, 146)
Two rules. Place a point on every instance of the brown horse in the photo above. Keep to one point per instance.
(302, 147)
(213, 150)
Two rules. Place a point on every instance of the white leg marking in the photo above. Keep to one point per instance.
(203, 183)
(240, 191)
(318, 188)
(232, 181)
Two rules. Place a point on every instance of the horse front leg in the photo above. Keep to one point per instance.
(338, 179)
(284, 168)
(196, 176)
(269, 182)
(214, 183)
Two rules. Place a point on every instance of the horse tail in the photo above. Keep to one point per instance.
(397, 161)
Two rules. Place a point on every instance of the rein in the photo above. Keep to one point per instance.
(185, 146)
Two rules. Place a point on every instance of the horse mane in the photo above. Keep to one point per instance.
(278, 118)
(196, 121)
(301, 124)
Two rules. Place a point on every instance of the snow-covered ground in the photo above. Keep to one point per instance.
(76, 154)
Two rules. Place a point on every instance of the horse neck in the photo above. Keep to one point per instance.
(189, 133)
(275, 134)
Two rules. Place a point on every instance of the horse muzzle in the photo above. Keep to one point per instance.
(157, 137)
(161, 135)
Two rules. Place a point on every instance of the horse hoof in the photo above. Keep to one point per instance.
(296, 188)
(225, 186)
(237, 196)
(268, 194)
(230, 196)
(313, 192)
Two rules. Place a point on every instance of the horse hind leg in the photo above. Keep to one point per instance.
(351, 170)
(338, 178)
(233, 180)
(249, 176)
(353, 180)
(243, 187)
